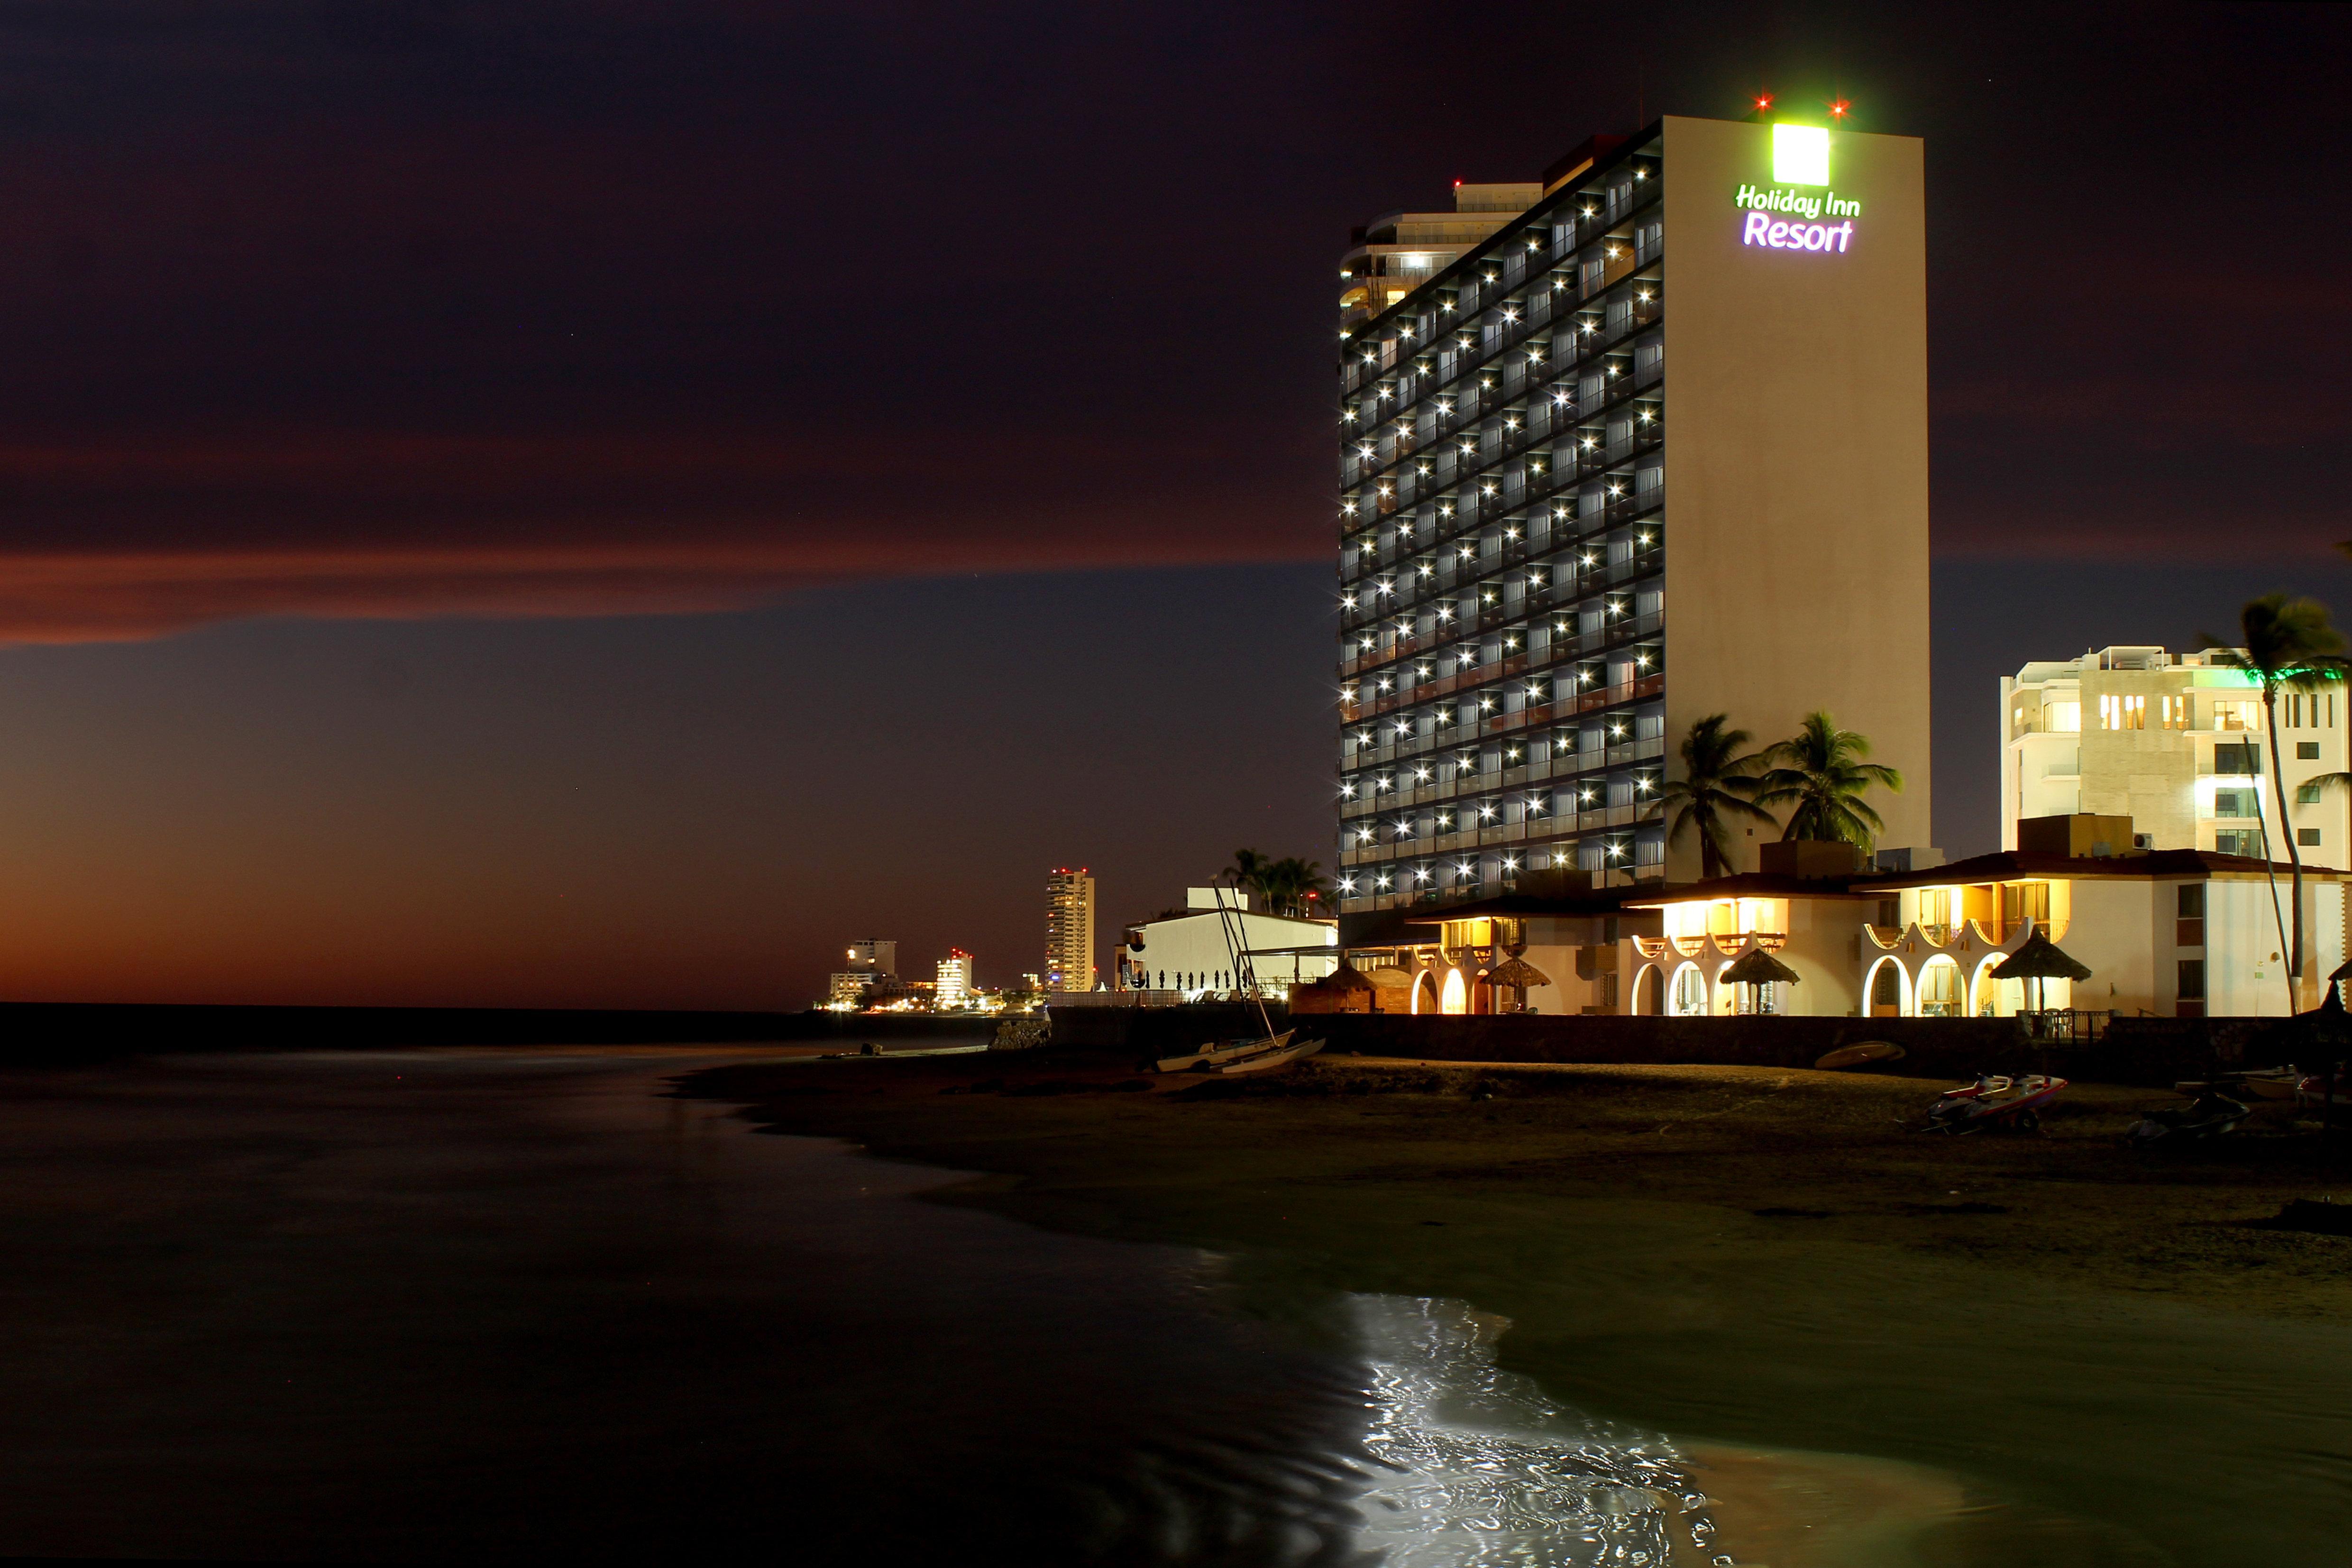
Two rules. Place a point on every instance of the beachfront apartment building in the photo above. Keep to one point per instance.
(2177, 742)
(1070, 928)
(1550, 567)
(2165, 932)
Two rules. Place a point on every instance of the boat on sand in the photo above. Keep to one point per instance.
(1211, 1057)
(1279, 1056)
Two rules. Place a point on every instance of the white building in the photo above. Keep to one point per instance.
(1192, 953)
(955, 988)
(2176, 742)
(2168, 933)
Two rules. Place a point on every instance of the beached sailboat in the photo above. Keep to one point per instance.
(1210, 1058)
(1273, 1056)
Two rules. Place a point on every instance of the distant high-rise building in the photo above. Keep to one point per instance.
(1513, 517)
(1070, 930)
(870, 969)
(955, 980)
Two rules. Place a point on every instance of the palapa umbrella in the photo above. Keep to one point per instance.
(1519, 973)
(1757, 968)
(1516, 972)
(2037, 959)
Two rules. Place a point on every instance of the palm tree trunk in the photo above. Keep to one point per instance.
(2263, 821)
(2293, 855)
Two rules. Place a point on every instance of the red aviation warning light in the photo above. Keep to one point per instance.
(1837, 109)
(1763, 103)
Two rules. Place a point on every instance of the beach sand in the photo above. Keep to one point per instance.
(1806, 1156)
(1996, 1348)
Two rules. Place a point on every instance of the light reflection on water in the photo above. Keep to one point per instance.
(1479, 1466)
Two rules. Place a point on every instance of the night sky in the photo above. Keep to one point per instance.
(598, 503)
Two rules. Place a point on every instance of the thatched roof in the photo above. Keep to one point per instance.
(1758, 967)
(1516, 972)
(2038, 959)
(1347, 977)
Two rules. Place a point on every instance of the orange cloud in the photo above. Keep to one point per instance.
(141, 539)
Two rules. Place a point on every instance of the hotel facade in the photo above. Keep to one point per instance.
(1549, 568)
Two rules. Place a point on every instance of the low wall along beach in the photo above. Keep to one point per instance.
(2152, 1051)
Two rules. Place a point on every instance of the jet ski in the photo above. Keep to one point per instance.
(2211, 1114)
(2011, 1103)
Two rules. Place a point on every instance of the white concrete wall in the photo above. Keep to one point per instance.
(2113, 932)
(2244, 976)
(1195, 945)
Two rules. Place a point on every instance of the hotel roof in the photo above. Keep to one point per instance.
(1747, 885)
(2022, 866)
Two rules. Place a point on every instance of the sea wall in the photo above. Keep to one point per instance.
(2152, 1051)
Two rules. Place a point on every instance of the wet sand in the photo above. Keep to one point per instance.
(2059, 1351)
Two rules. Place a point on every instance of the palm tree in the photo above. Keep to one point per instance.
(2289, 646)
(1248, 872)
(1820, 772)
(1289, 883)
(1715, 781)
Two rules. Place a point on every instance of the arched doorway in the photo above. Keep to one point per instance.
(1939, 988)
(1991, 998)
(1649, 991)
(1454, 999)
(1885, 994)
(1424, 993)
(1686, 997)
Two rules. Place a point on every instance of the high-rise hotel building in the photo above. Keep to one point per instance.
(1550, 566)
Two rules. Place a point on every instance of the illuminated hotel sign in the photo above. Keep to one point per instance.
(1783, 218)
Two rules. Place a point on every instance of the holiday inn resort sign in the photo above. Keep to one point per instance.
(1800, 157)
